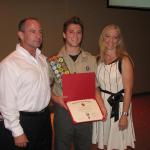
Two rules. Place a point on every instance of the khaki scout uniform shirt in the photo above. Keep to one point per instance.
(84, 63)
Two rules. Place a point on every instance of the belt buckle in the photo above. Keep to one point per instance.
(43, 110)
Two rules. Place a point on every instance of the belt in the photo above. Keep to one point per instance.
(113, 101)
(24, 113)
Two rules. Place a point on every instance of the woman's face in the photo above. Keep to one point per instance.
(111, 38)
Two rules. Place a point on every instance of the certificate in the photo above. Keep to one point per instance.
(80, 92)
(84, 110)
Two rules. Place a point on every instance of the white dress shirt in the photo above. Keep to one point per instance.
(24, 86)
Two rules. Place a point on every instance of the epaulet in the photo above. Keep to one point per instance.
(53, 58)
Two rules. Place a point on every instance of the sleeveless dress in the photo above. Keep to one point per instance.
(107, 133)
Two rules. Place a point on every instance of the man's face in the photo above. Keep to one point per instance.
(31, 37)
(73, 35)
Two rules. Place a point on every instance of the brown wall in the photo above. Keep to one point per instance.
(135, 25)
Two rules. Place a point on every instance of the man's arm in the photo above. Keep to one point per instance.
(8, 105)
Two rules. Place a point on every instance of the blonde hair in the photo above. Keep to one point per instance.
(120, 47)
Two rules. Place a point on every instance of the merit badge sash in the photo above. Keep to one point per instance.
(59, 67)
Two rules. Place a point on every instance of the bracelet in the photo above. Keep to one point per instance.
(125, 113)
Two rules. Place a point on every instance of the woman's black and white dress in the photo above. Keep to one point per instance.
(108, 133)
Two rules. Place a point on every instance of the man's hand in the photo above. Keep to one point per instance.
(21, 141)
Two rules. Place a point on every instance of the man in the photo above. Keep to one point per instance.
(77, 61)
(25, 93)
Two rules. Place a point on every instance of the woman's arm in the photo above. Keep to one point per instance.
(127, 77)
(101, 103)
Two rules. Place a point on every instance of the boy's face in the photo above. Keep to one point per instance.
(73, 35)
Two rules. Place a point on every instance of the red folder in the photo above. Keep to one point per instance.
(80, 92)
(78, 86)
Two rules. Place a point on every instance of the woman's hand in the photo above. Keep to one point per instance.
(123, 122)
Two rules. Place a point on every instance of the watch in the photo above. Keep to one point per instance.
(125, 113)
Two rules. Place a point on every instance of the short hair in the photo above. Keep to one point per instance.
(73, 20)
(21, 24)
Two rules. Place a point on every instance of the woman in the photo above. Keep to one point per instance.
(115, 78)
